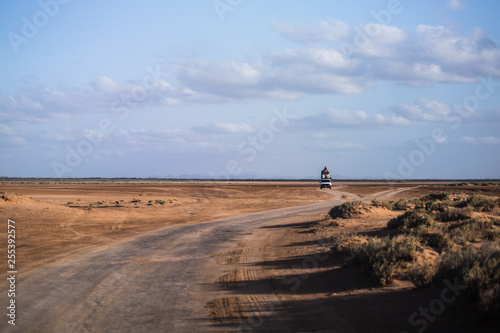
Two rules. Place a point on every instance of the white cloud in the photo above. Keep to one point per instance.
(456, 4)
(286, 75)
(17, 141)
(335, 118)
(323, 145)
(486, 140)
(423, 109)
(6, 130)
(425, 55)
(225, 128)
(466, 56)
(324, 31)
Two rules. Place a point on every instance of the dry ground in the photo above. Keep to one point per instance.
(56, 218)
(279, 277)
(293, 279)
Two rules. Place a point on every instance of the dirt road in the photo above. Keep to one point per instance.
(168, 280)
(156, 282)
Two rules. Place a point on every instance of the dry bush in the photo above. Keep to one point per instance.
(469, 230)
(410, 220)
(401, 204)
(437, 196)
(421, 274)
(454, 214)
(347, 209)
(478, 269)
(479, 203)
(382, 256)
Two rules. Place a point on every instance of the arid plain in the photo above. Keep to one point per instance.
(248, 256)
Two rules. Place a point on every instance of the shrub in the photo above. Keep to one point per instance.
(383, 256)
(473, 224)
(421, 274)
(479, 203)
(136, 200)
(409, 220)
(437, 196)
(379, 203)
(492, 235)
(469, 230)
(347, 209)
(478, 269)
(69, 203)
(454, 214)
(401, 204)
(438, 240)
(436, 206)
(419, 204)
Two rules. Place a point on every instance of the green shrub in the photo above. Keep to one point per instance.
(136, 200)
(410, 220)
(69, 203)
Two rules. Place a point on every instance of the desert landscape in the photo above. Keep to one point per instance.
(254, 256)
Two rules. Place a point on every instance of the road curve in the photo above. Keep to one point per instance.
(156, 282)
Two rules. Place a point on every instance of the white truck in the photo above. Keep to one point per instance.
(325, 181)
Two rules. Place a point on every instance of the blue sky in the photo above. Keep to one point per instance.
(237, 89)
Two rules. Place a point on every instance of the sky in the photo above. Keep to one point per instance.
(394, 89)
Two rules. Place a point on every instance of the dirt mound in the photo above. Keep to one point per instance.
(14, 199)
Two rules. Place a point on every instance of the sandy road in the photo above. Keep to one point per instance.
(156, 282)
